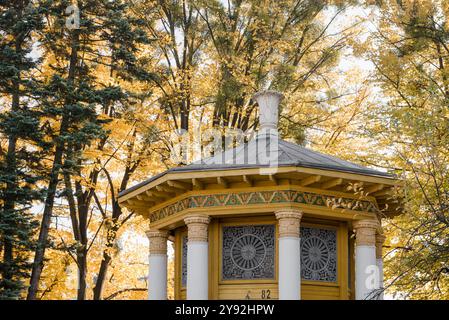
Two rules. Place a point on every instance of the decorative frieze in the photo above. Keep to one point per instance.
(365, 232)
(289, 221)
(197, 226)
(236, 199)
(158, 241)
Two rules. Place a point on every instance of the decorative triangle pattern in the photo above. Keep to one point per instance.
(261, 197)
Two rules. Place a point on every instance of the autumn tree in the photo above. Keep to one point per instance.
(130, 153)
(93, 92)
(179, 38)
(96, 34)
(283, 45)
(410, 126)
(212, 56)
(21, 142)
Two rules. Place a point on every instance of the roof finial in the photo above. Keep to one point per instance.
(268, 101)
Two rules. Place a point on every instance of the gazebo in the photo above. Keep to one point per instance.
(268, 219)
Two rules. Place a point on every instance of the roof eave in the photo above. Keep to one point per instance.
(179, 172)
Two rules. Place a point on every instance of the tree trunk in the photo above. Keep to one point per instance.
(38, 263)
(98, 289)
(184, 117)
(104, 266)
(116, 213)
(81, 253)
(82, 271)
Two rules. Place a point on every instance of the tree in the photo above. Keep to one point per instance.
(138, 153)
(90, 105)
(71, 97)
(410, 126)
(22, 143)
(107, 37)
(179, 38)
(212, 56)
(283, 45)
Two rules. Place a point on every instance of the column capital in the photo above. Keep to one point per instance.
(289, 221)
(288, 213)
(197, 218)
(366, 223)
(158, 241)
(380, 240)
(197, 227)
(157, 233)
(365, 231)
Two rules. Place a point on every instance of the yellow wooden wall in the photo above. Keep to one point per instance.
(265, 289)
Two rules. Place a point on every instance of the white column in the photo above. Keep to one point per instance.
(157, 273)
(380, 239)
(366, 271)
(289, 254)
(197, 257)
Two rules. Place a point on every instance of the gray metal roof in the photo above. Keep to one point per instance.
(267, 150)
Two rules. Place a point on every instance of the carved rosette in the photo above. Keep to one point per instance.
(197, 227)
(365, 232)
(380, 239)
(289, 221)
(158, 241)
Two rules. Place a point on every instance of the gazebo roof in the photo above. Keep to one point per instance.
(288, 154)
(266, 162)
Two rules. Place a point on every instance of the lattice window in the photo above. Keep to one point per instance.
(248, 252)
(184, 262)
(318, 254)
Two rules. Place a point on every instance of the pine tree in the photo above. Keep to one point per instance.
(19, 128)
(74, 97)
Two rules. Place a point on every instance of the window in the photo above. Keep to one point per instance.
(248, 252)
(318, 254)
